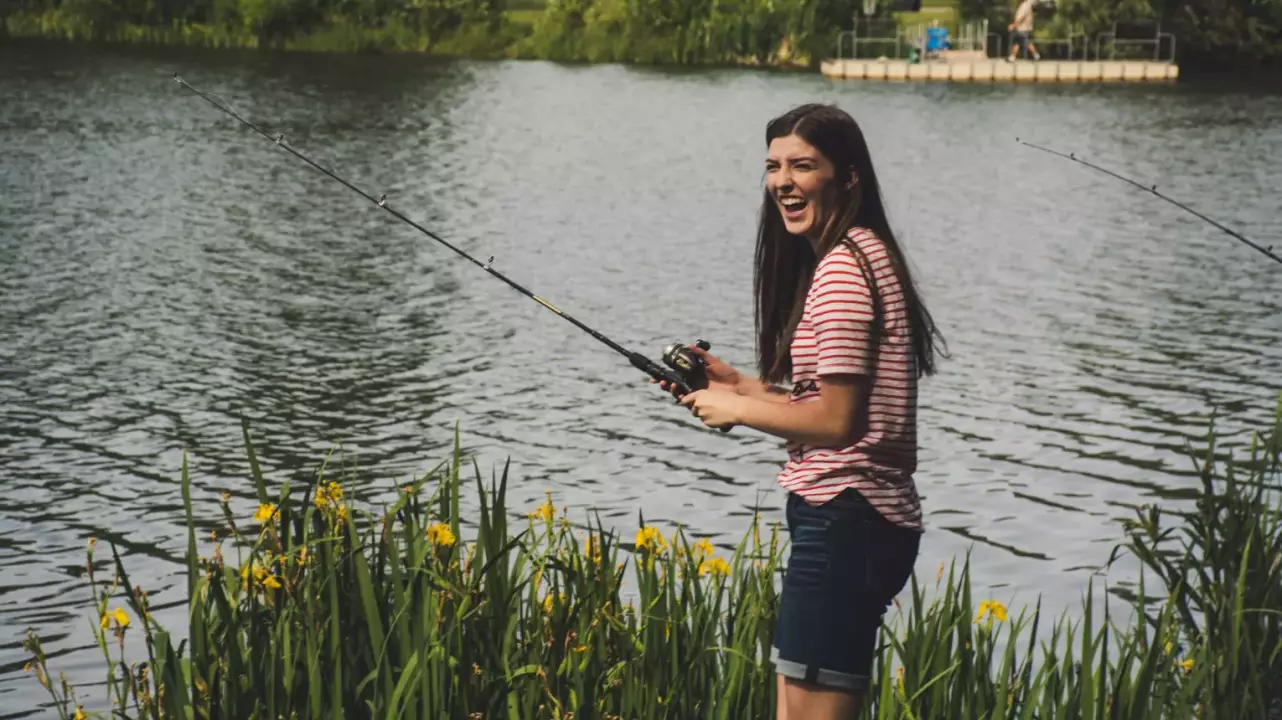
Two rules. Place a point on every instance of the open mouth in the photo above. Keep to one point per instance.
(792, 206)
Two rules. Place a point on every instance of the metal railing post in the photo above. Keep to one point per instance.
(1112, 48)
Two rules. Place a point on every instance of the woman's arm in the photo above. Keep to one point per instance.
(759, 390)
(829, 421)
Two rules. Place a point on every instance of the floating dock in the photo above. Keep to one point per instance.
(997, 70)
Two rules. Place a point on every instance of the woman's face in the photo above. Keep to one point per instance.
(799, 178)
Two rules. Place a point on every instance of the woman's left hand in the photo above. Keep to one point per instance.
(716, 408)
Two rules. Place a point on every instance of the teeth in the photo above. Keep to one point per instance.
(791, 203)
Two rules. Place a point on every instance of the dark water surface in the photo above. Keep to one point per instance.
(164, 272)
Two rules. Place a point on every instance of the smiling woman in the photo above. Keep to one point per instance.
(838, 315)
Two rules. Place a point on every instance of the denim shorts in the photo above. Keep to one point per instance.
(846, 563)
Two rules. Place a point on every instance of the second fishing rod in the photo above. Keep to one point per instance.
(685, 371)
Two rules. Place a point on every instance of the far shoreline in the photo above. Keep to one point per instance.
(1215, 80)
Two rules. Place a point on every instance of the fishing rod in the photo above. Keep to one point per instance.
(686, 371)
(1153, 189)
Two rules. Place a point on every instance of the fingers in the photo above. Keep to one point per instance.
(670, 388)
(663, 385)
(703, 355)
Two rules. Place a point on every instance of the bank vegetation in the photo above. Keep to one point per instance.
(314, 605)
(1211, 34)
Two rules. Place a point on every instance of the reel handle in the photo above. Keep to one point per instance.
(687, 372)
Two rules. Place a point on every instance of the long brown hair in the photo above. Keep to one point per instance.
(785, 263)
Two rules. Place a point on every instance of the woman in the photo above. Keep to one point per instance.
(838, 316)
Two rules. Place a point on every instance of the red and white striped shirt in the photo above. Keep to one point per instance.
(834, 337)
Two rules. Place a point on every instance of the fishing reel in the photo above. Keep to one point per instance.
(687, 371)
(688, 366)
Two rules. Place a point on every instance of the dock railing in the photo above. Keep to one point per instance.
(1134, 33)
(970, 36)
(851, 38)
(871, 32)
(885, 38)
(1076, 46)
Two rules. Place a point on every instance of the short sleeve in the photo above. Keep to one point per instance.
(841, 312)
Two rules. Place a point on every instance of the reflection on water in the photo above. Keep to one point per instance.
(167, 274)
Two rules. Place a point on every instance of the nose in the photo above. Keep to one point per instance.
(783, 179)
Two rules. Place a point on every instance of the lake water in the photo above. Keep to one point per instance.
(164, 272)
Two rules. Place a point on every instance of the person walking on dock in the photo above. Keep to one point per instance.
(1022, 28)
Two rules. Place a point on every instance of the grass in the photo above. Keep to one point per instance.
(525, 17)
(317, 608)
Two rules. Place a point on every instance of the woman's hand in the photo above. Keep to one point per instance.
(721, 376)
(716, 408)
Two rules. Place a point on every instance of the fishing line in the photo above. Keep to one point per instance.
(685, 372)
(1153, 189)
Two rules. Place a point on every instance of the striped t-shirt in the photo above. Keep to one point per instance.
(833, 337)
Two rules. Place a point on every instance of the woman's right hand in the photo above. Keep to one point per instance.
(721, 376)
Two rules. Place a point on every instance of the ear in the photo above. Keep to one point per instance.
(854, 178)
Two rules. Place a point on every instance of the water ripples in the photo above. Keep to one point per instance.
(167, 273)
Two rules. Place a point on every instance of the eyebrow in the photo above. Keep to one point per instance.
(795, 159)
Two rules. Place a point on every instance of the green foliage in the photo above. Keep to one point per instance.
(463, 27)
(330, 611)
(999, 13)
(274, 21)
(1096, 16)
(1228, 32)
(1225, 575)
(722, 32)
(83, 19)
(1209, 33)
(950, 663)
